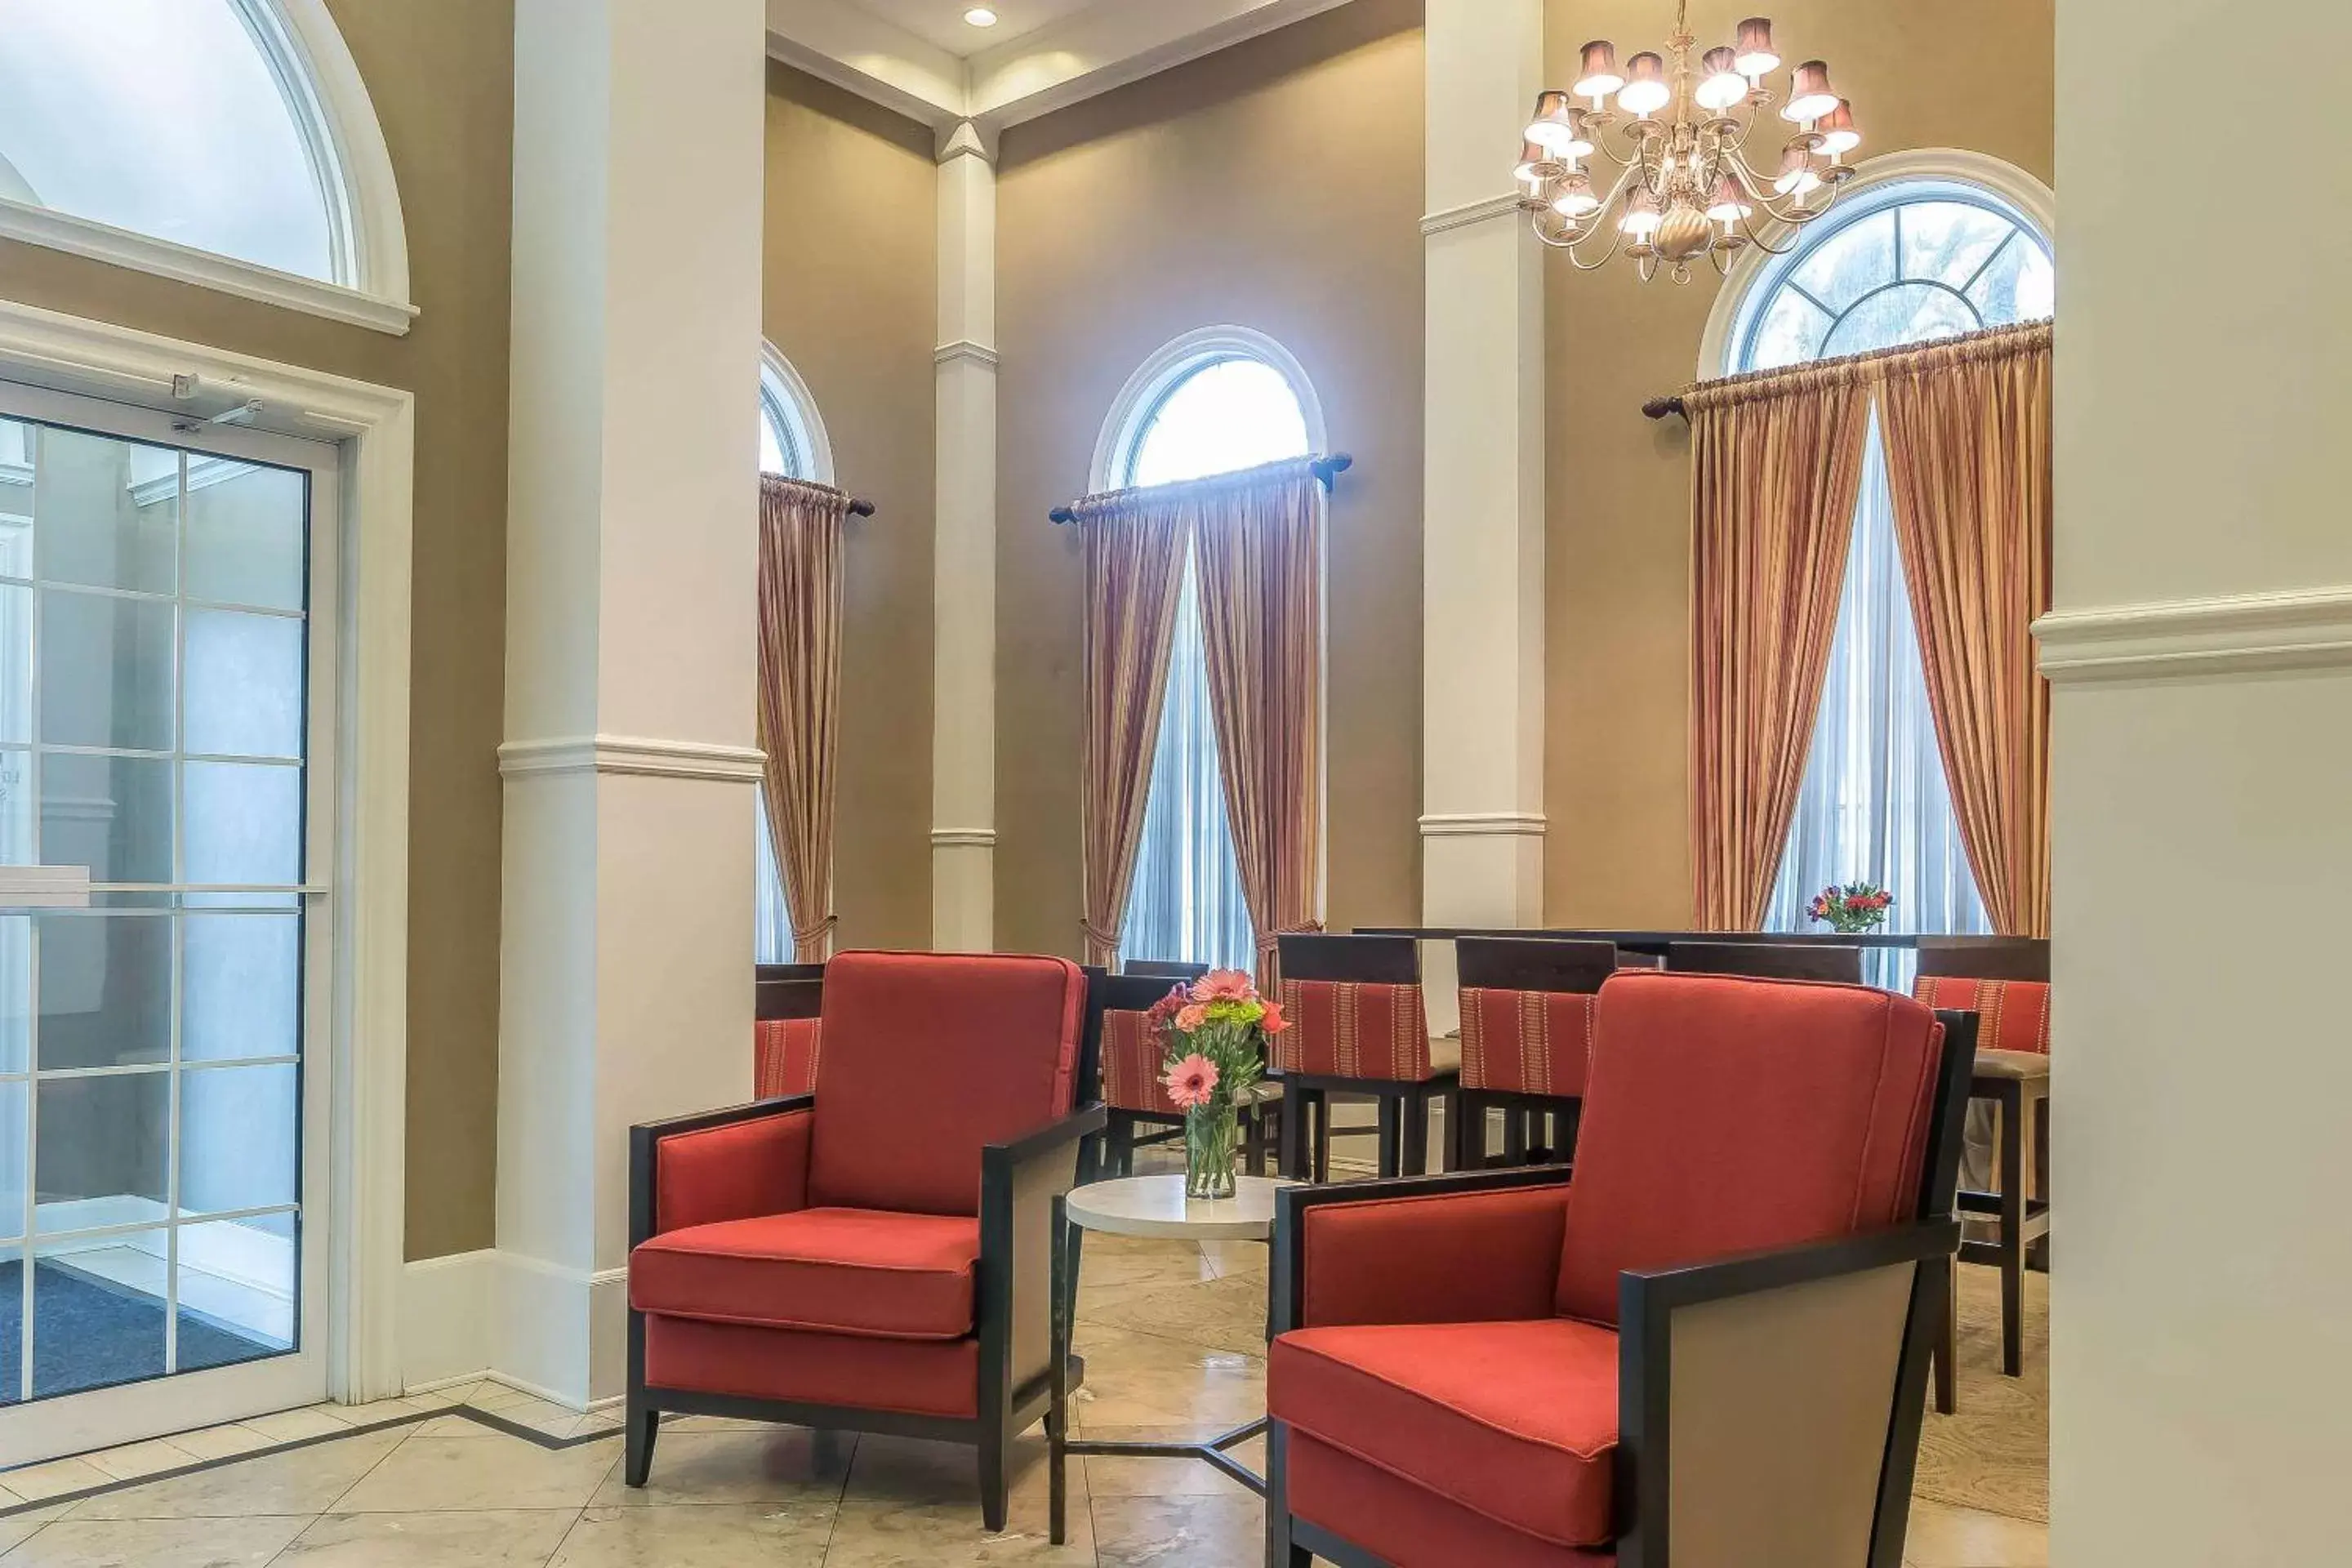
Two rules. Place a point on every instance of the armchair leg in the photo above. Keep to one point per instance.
(1948, 1346)
(995, 1490)
(640, 1425)
(1281, 1552)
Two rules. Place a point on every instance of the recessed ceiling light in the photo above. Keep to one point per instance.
(981, 16)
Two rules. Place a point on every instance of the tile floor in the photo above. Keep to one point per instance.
(1170, 1332)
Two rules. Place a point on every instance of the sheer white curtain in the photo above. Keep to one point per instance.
(772, 918)
(1186, 901)
(1875, 804)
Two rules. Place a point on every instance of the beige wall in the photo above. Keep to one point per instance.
(1274, 185)
(441, 73)
(852, 250)
(1927, 73)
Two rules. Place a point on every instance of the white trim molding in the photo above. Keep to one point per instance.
(2187, 638)
(779, 380)
(964, 838)
(634, 754)
(1485, 825)
(369, 1050)
(2008, 183)
(1504, 206)
(965, 348)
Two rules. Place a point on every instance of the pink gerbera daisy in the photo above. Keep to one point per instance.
(1222, 986)
(1191, 1081)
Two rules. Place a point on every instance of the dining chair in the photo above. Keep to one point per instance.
(1526, 1036)
(1819, 961)
(1359, 1025)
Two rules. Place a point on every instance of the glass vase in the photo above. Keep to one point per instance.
(1212, 1131)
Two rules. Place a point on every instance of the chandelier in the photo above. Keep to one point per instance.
(1684, 186)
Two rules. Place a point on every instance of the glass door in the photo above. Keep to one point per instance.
(165, 683)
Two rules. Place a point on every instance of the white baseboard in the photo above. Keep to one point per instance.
(557, 1333)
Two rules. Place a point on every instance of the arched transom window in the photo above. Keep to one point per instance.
(188, 121)
(1208, 405)
(1913, 261)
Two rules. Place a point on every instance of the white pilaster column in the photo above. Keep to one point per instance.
(625, 956)
(1482, 542)
(963, 724)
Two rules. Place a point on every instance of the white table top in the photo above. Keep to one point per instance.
(1156, 1205)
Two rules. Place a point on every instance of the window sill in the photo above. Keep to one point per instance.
(185, 264)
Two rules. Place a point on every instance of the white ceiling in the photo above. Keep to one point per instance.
(941, 22)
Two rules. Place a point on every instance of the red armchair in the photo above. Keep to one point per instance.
(876, 1257)
(1712, 1348)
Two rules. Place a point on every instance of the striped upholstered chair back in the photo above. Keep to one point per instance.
(1132, 1053)
(2004, 981)
(1354, 1007)
(784, 1036)
(1526, 1012)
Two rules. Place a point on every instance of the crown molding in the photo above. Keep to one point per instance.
(631, 754)
(1504, 206)
(1483, 825)
(965, 348)
(2189, 639)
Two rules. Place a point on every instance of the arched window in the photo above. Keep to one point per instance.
(791, 443)
(1208, 404)
(195, 122)
(1914, 257)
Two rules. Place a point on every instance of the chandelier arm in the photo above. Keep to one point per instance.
(1617, 238)
(1759, 242)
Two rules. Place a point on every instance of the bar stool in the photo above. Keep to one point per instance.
(1526, 1041)
(1831, 961)
(1358, 1026)
(2005, 981)
(788, 1004)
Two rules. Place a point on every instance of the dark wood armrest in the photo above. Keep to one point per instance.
(647, 1138)
(1293, 1206)
(1785, 1390)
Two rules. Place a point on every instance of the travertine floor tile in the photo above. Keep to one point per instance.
(1945, 1537)
(438, 1475)
(1109, 1476)
(1180, 1532)
(36, 1482)
(504, 1539)
(221, 1442)
(287, 1425)
(156, 1543)
(135, 1459)
(774, 1465)
(304, 1481)
(773, 1535)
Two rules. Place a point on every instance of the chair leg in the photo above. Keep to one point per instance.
(1291, 1159)
(641, 1426)
(995, 1489)
(2037, 1257)
(1322, 1137)
(1514, 1136)
(1119, 1144)
(1414, 1153)
(1948, 1345)
(2013, 1234)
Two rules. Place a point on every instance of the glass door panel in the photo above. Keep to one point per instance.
(157, 635)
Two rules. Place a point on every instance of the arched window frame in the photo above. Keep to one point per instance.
(330, 106)
(1130, 418)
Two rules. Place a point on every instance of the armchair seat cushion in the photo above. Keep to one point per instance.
(827, 1270)
(1515, 1421)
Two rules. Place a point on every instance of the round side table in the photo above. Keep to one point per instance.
(1152, 1205)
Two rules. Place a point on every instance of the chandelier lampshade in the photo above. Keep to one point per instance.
(1686, 158)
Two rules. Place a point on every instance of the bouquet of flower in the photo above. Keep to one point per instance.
(1857, 907)
(1213, 1034)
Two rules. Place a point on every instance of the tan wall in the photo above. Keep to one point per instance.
(852, 248)
(1274, 185)
(1618, 548)
(441, 73)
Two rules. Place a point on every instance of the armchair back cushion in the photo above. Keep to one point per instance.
(1728, 1115)
(1346, 1028)
(928, 1058)
(1526, 1042)
(784, 1057)
(2011, 1015)
(1131, 1062)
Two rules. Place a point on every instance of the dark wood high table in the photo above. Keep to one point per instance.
(1649, 941)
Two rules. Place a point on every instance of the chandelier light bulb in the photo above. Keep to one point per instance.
(1729, 203)
(1552, 128)
(1575, 199)
(1797, 176)
(1839, 136)
(1530, 173)
(1754, 57)
(1645, 91)
(1809, 94)
(1598, 77)
(1721, 85)
(1642, 215)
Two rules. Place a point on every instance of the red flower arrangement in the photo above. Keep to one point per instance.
(1852, 909)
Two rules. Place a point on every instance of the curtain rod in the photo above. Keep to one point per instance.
(1325, 469)
(857, 507)
(1664, 407)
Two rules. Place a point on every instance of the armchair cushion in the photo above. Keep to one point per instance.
(921, 1377)
(1454, 1259)
(2011, 1015)
(1408, 1526)
(1730, 1115)
(928, 1058)
(784, 1057)
(755, 1166)
(1515, 1421)
(832, 1271)
(1343, 1028)
(1526, 1042)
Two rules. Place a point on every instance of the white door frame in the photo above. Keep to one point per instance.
(375, 429)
